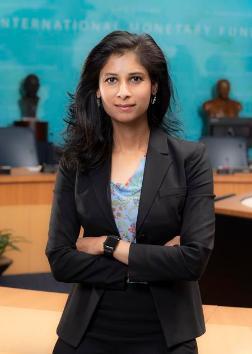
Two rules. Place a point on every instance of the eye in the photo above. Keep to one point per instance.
(111, 80)
(136, 79)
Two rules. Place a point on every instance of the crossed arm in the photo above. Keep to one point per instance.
(94, 246)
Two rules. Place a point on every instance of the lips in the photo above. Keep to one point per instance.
(125, 107)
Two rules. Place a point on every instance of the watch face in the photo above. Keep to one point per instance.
(111, 241)
(110, 244)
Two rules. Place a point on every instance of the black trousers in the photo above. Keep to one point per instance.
(95, 346)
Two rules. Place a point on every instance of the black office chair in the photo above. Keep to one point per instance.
(18, 147)
(227, 152)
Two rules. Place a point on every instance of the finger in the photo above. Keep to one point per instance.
(174, 241)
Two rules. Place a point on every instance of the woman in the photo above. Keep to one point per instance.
(133, 188)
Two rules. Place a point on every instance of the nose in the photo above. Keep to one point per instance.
(123, 91)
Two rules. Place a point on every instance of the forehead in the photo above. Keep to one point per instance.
(123, 63)
(223, 84)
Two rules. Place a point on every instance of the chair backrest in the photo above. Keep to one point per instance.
(227, 152)
(18, 147)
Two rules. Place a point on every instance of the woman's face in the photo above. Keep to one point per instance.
(125, 88)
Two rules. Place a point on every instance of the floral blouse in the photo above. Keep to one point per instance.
(125, 200)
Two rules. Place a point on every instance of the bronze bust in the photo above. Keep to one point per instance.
(222, 106)
(29, 100)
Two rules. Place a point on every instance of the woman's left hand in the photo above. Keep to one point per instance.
(175, 241)
(91, 245)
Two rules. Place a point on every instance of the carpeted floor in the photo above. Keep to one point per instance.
(35, 281)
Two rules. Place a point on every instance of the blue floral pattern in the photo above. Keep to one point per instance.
(125, 200)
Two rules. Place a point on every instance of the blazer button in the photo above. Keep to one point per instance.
(141, 238)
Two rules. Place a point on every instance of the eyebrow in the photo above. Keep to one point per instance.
(130, 74)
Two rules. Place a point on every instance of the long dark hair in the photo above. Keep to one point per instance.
(89, 133)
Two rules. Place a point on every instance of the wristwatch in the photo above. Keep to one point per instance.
(109, 245)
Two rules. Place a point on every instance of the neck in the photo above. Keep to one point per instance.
(130, 138)
(224, 98)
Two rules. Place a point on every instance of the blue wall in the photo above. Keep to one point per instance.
(204, 41)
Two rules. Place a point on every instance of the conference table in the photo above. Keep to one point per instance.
(30, 319)
(24, 187)
(25, 204)
(227, 279)
(237, 206)
(237, 183)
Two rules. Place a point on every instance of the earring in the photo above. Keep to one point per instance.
(153, 101)
(98, 100)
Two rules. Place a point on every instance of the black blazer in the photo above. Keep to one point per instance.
(176, 199)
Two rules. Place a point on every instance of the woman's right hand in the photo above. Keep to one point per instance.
(175, 241)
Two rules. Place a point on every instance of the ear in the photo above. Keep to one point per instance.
(98, 93)
(154, 88)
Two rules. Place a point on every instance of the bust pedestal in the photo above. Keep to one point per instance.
(40, 128)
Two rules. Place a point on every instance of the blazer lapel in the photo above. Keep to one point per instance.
(158, 161)
(100, 178)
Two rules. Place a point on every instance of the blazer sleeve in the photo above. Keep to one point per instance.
(67, 263)
(155, 263)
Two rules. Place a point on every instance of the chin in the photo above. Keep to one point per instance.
(127, 120)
